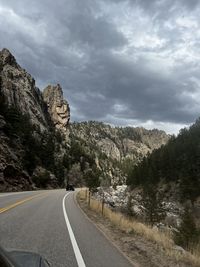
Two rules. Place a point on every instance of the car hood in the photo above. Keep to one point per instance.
(30, 259)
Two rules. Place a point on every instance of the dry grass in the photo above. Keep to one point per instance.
(194, 255)
(163, 240)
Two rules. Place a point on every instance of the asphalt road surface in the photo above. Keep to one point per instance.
(51, 224)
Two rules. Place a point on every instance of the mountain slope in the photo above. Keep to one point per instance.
(114, 148)
(178, 162)
(31, 148)
(19, 90)
(119, 143)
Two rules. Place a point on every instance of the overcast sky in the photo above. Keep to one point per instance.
(123, 62)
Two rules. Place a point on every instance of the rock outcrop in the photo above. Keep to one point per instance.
(19, 90)
(119, 143)
(116, 148)
(57, 106)
(36, 150)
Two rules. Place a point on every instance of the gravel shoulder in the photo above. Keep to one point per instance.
(141, 252)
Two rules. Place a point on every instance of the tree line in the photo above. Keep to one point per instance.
(177, 161)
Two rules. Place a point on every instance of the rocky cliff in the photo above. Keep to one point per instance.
(115, 149)
(119, 143)
(58, 107)
(20, 91)
(31, 148)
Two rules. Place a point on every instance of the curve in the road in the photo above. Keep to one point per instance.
(39, 225)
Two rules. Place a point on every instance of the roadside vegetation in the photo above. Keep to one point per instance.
(164, 240)
(178, 161)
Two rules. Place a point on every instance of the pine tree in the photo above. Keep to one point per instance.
(152, 202)
(92, 178)
(188, 233)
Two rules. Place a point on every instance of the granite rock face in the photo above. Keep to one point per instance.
(116, 146)
(57, 106)
(20, 91)
(12, 175)
(120, 143)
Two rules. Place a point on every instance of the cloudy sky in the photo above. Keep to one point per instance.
(133, 62)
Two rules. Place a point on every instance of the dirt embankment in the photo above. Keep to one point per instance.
(139, 250)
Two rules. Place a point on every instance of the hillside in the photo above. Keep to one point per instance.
(177, 162)
(31, 144)
(165, 187)
(115, 148)
(119, 143)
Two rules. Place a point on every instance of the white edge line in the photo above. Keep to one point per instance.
(76, 249)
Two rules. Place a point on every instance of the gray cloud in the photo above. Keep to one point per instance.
(123, 62)
(154, 4)
(97, 33)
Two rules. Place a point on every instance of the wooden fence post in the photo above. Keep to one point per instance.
(89, 198)
(102, 208)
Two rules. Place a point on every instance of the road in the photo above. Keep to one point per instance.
(50, 223)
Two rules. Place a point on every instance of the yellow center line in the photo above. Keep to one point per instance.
(19, 202)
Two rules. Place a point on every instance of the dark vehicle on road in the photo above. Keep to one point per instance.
(70, 187)
(17, 258)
